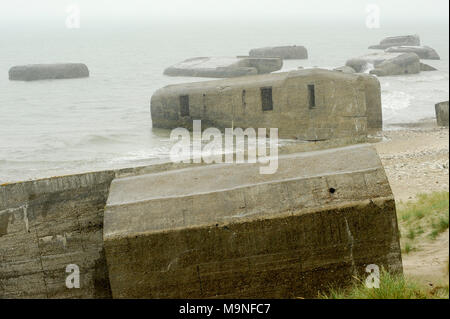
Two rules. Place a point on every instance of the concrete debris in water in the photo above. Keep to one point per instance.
(410, 40)
(407, 63)
(442, 113)
(384, 64)
(345, 69)
(284, 52)
(224, 67)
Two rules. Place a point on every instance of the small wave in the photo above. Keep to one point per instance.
(99, 140)
(395, 100)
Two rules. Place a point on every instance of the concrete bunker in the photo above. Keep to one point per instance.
(404, 40)
(441, 110)
(308, 105)
(226, 231)
(242, 235)
(36, 72)
(283, 52)
(224, 67)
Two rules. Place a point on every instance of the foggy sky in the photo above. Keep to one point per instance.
(21, 11)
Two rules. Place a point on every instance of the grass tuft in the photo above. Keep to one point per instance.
(426, 217)
(391, 287)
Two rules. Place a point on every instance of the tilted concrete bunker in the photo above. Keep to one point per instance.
(225, 231)
(322, 218)
(310, 105)
(36, 72)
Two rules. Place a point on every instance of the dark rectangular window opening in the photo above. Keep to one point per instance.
(184, 105)
(244, 103)
(311, 96)
(266, 99)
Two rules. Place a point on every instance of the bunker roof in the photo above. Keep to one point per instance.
(255, 81)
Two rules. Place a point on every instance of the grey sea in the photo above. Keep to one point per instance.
(50, 128)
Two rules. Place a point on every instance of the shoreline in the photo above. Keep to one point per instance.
(416, 161)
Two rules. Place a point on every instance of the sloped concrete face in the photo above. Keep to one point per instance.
(35, 72)
(424, 52)
(227, 231)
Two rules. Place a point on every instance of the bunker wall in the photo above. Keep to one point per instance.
(338, 108)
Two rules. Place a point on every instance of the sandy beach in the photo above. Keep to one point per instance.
(416, 160)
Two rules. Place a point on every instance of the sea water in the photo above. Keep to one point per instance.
(50, 128)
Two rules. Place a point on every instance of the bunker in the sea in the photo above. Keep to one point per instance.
(310, 105)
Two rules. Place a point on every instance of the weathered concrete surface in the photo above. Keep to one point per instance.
(407, 63)
(368, 61)
(424, 52)
(48, 224)
(339, 111)
(224, 67)
(35, 72)
(406, 40)
(345, 69)
(284, 52)
(227, 231)
(442, 113)
(374, 109)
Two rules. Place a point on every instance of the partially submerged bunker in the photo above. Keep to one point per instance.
(224, 67)
(36, 72)
(441, 110)
(310, 105)
(229, 232)
(404, 40)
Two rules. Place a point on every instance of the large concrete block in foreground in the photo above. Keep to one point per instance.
(284, 52)
(35, 72)
(226, 231)
(407, 63)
